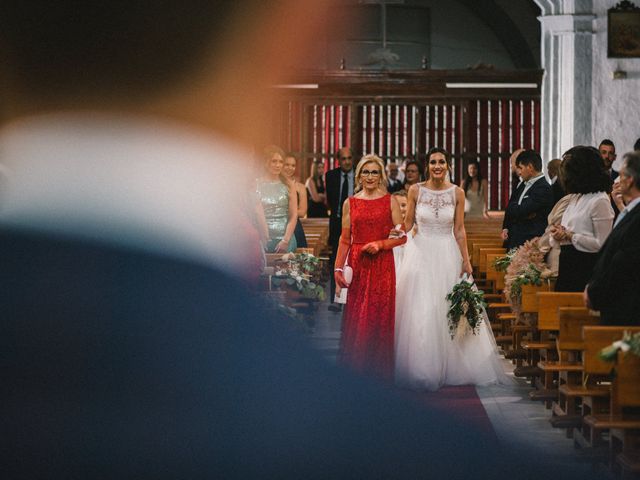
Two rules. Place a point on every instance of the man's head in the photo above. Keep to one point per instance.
(630, 176)
(529, 164)
(607, 152)
(392, 170)
(345, 157)
(553, 167)
(512, 161)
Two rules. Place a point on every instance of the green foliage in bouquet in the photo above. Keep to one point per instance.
(628, 343)
(301, 271)
(502, 263)
(468, 302)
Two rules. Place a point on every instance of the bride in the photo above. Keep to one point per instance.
(426, 356)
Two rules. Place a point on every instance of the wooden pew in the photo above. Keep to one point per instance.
(594, 391)
(544, 347)
(570, 345)
(623, 419)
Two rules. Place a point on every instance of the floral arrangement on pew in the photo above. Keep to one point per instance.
(302, 272)
(467, 308)
(526, 267)
(502, 263)
(628, 343)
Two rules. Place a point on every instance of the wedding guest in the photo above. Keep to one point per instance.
(476, 191)
(587, 219)
(615, 283)
(412, 174)
(394, 183)
(530, 204)
(278, 201)
(317, 198)
(398, 252)
(607, 151)
(340, 185)
(289, 171)
(368, 322)
(553, 169)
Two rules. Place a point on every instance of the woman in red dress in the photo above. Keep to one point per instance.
(369, 317)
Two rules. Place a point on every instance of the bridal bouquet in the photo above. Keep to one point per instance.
(467, 308)
(628, 343)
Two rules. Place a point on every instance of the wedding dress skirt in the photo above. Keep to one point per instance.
(426, 356)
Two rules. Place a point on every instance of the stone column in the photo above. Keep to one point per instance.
(566, 89)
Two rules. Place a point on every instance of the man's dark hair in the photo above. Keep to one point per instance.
(58, 49)
(631, 166)
(636, 146)
(530, 157)
(582, 171)
(607, 142)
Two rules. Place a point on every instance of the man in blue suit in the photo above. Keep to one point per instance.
(128, 346)
(530, 204)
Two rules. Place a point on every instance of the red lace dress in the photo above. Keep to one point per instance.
(369, 316)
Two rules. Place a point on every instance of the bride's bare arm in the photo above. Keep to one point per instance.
(460, 233)
(410, 215)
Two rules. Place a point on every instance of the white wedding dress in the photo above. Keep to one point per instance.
(426, 356)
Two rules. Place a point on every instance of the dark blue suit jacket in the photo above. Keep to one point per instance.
(529, 219)
(122, 364)
(615, 283)
(116, 363)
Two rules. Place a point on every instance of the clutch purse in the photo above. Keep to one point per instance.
(341, 294)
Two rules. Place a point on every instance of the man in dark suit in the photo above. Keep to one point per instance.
(529, 206)
(615, 283)
(340, 183)
(393, 182)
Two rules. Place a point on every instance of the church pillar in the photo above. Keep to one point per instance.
(566, 89)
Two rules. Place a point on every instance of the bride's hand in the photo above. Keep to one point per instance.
(466, 267)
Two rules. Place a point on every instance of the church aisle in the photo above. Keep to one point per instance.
(505, 409)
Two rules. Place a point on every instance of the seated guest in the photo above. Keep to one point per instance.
(476, 190)
(289, 172)
(394, 184)
(615, 283)
(530, 204)
(412, 174)
(279, 202)
(315, 187)
(553, 168)
(587, 220)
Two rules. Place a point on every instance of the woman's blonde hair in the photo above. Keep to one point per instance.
(370, 158)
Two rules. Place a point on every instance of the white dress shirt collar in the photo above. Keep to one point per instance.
(140, 183)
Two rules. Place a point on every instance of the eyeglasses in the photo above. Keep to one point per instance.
(373, 173)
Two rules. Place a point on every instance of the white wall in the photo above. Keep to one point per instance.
(615, 110)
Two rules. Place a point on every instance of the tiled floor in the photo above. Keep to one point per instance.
(517, 421)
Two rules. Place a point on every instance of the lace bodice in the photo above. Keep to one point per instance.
(435, 210)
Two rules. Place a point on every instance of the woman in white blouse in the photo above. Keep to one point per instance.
(587, 220)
